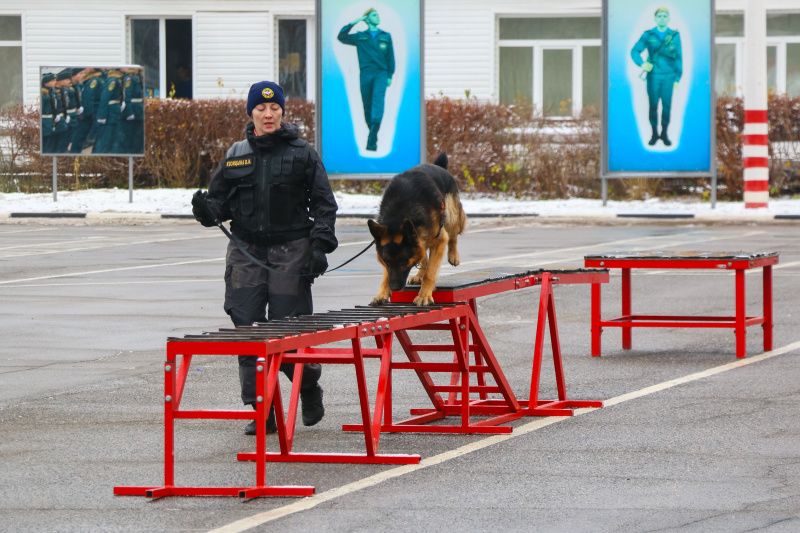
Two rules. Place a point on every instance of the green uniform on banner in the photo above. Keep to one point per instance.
(86, 106)
(108, 115)
(60, 126)
(91, 89)
(132, 124)
(70, 99)
(376, 64)
(48, 106)
(662, 70)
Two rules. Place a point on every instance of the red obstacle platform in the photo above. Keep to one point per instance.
(300, 340)
(672, 260)
(469, 286)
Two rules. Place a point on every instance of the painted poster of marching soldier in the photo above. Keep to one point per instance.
(92, 111)
(659, 100)
(369, 75)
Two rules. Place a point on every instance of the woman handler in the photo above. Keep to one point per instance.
(274, 188)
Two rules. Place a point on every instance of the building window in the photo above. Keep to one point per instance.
(783, 33)
(516, 75)
(783, 53)
(10, 60)
(164, 48)
(292, 66)
(551, 62)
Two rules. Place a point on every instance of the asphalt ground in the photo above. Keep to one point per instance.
(691, 438)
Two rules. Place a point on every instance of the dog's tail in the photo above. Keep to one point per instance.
(441, 160)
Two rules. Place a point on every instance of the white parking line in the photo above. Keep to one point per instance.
(585, 247)
(150, 282)
(73, 274)
(318, 499)
(98, 246)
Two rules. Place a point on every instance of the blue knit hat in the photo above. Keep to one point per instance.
(264, 91)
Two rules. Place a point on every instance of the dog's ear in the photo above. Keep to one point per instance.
(376, 230)
(408, 230)
(441, 160)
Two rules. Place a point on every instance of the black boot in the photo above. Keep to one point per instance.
(272, 426)
(312, 407)
(372, 140)
(654, 138)
(664, 137)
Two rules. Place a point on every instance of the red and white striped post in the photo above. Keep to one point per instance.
(755, 149)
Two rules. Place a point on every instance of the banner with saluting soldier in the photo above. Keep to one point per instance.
(659, 105)
(92, 111)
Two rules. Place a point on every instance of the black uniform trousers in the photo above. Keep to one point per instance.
(253, 294)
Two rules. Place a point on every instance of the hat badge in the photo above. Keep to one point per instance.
(267, 93)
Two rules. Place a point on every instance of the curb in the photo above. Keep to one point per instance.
(701, 217)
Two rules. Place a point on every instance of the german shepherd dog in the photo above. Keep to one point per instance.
(420, 214)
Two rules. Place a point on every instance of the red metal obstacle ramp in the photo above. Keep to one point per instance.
(468, 286)
(738, 261)
(271, 342)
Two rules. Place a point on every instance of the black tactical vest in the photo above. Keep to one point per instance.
(269, 195)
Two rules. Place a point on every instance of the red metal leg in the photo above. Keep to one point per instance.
(169, 422)
(538, 345)
(626, 307)
(556, 344)
(261, 423)
(478, 358)
(596, 331)
(562, 406)
(294, 400)
(741, 309)
(182, 371)
(370, 436)
(462, 349)
(382, 400)
(767, 326)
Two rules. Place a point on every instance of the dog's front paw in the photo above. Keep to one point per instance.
(378, 300)
(423, 299)
(415, 279)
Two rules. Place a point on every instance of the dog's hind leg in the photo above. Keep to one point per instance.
(455, 222)
(425, 296)
(384, 293)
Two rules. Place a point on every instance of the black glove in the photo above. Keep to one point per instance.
(201, 209)
(317, 263)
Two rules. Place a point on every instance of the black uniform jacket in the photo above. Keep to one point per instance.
(321, 202)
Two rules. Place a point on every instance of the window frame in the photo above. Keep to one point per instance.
(21, 44)
(311, 47)
(538, 46)
(738, 63)
(162, 47)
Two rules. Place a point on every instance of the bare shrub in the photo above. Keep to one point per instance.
(493, 149)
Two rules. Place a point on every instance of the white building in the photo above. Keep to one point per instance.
(547, 51)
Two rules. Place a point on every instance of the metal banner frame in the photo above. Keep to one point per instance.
(605, 173)
(70, 154)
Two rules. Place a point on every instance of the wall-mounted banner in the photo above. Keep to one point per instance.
(370, 110)
(92, 110)
(659, 103)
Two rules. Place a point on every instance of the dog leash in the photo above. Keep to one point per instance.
(255, 261)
